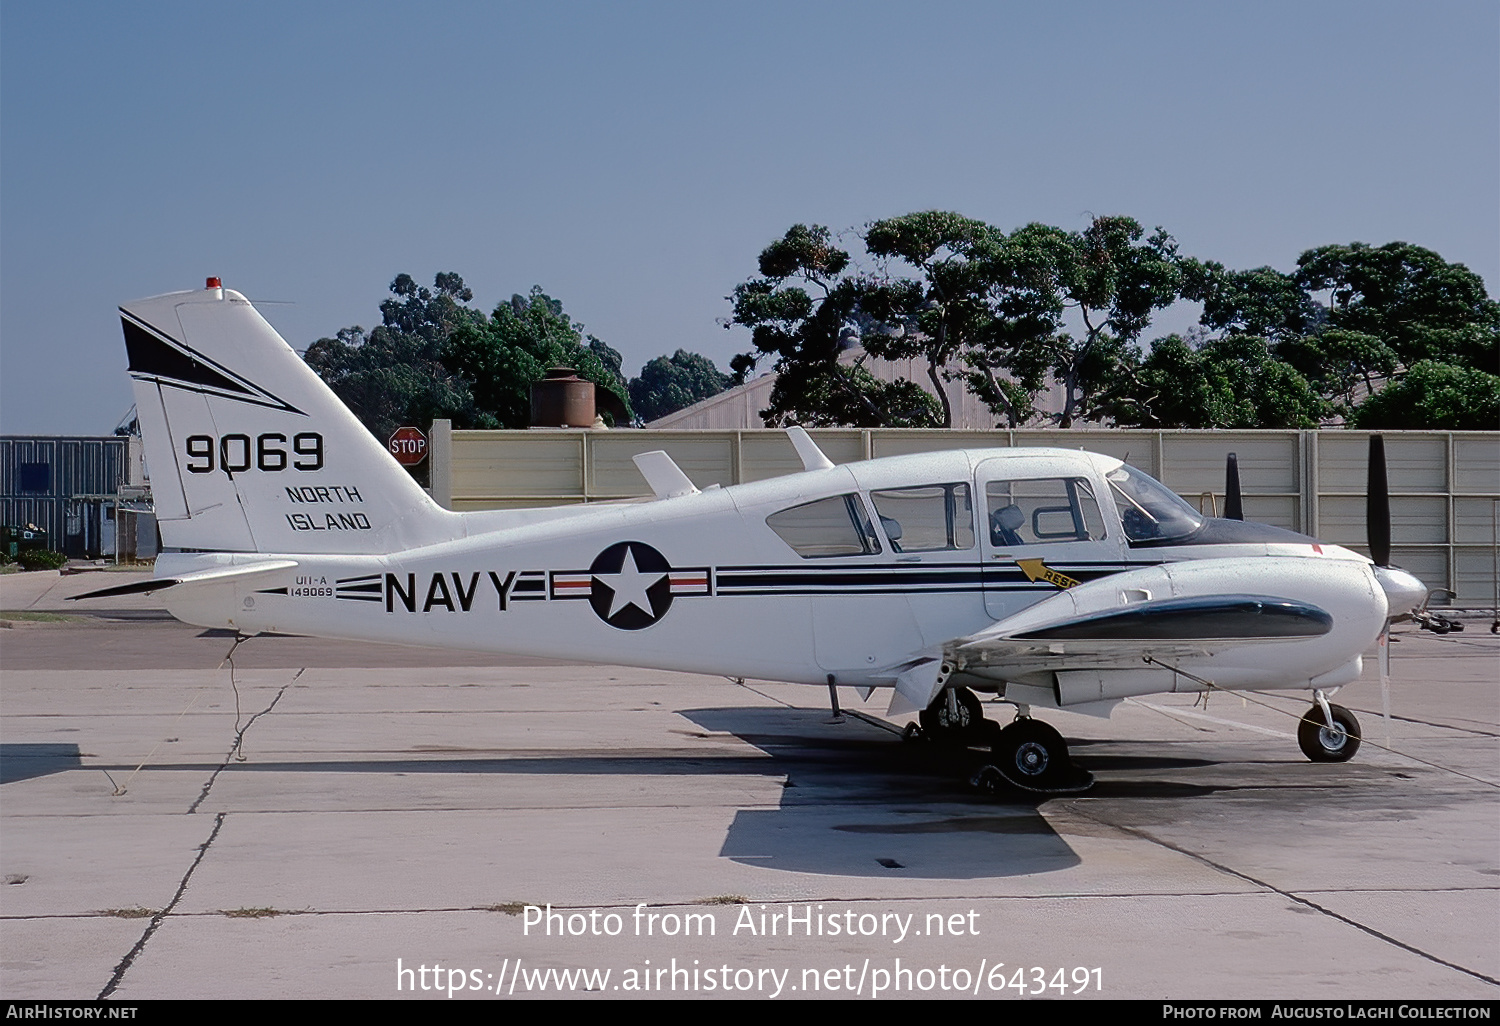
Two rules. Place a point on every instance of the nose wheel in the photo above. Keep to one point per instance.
(1321, 742)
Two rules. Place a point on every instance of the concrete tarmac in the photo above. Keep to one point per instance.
(330, 820)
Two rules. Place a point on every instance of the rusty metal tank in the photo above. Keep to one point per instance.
(562, 399)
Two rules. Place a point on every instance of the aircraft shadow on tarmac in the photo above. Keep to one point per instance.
(25, 761)
(858, 801)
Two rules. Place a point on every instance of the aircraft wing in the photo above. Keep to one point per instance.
(1264, 621)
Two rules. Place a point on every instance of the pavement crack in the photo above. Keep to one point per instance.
(1290, 896)
(156, 920)
(239, 737)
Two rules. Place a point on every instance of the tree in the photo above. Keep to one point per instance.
(669, 384)
(984, 307)
(502, 357)
(1414, 301)
(1230, 382)
(1435, 395)
(1105, 274)
(394, 375)
(945, 318)
(1390, 309)
(434, 356)
(803, 311)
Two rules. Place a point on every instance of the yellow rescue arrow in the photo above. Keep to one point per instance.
(1036, 570)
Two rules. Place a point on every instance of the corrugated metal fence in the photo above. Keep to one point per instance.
(65, 486)
(1445, 485)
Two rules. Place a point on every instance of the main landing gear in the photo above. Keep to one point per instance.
(1026, 754)
(954, 717)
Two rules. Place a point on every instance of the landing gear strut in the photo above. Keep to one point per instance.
(1322, 742)
(955, 716)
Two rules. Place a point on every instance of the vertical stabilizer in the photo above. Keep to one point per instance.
(249, 451)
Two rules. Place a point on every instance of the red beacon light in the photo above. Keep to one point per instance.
(214, 283)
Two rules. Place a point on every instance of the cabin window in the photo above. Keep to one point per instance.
(927, 519)
(835, 526)
(1041, 511)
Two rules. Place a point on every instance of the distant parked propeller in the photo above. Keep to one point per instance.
(1232, 508)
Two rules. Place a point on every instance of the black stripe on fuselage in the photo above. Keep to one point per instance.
(888, 580)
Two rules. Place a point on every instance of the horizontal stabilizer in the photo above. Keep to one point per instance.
(218, 575)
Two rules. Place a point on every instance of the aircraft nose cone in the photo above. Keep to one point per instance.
(1403, 592)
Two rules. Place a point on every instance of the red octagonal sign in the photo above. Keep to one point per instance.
(408, 445)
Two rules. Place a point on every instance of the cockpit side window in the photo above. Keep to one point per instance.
(927, 519)
(1038, 511)
(835, 526)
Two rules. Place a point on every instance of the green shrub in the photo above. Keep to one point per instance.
(41, 559)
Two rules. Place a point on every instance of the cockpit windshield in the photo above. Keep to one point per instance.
(1149, 510)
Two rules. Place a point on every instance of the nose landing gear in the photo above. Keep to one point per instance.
(1328, 737)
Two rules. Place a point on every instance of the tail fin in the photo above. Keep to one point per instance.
(249, 451)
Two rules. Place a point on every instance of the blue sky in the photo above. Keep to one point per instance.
(633, 158)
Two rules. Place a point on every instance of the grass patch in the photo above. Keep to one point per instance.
(252, 913)
(32, 616)
(128, 913)
(726, 899)
(510, 908)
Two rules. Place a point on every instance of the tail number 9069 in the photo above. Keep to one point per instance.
(235, 454)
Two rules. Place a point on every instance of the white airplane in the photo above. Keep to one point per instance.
(1050, 578)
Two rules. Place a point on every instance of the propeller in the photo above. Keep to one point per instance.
(1378, 504)
(1401, 587)
(1232, 508)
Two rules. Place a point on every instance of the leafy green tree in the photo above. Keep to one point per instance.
(944, 318)
(502, 356)
(1390, 309)
(965, 299)
(1106, 276)
(434, 356)
(802, 312)
(394, 375)
(669, 384)
(1230, 382)
(1413, 300)
(1434, 395)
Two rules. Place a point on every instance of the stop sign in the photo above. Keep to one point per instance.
(408, 445)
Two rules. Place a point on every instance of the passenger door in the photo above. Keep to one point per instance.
(1043, 530)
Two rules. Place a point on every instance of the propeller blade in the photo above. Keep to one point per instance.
(1378, 505)
(1232, 508)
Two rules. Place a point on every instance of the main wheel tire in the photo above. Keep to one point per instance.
(1031, 753)
(939, 723)
(1320, 744)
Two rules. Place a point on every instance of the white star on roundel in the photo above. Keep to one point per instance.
(629, 586)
